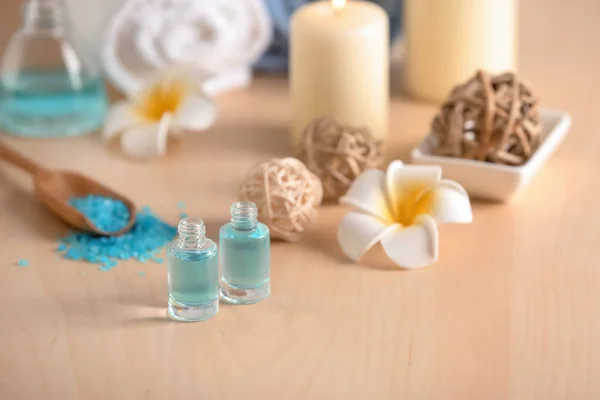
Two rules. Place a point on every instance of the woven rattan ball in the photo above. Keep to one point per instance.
(286, 194)
(489, 118)
(338, 153)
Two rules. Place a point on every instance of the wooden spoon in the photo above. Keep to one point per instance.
(56, 188)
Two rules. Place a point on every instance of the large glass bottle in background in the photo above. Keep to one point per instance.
(48, 87)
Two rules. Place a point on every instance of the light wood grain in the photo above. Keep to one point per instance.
(510, 311)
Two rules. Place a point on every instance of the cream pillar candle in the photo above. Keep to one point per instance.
(447, 41)
(339, 65)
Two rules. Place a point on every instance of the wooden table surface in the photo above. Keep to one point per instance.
(510, 311)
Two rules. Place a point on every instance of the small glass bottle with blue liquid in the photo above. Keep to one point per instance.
(193, 273)
(48, 86)
(245, 256)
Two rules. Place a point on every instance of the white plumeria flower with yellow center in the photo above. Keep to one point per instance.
(171, 103)
(401, 208)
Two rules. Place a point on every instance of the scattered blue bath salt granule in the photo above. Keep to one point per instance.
(106, 213)
(23, 263)
(181, 205)
(147, 236)
(141, 273)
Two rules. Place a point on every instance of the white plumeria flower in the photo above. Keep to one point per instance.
(170, 103)
(401, 208)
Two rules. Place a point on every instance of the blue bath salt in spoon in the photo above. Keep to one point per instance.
(63, 191)
(105, 213)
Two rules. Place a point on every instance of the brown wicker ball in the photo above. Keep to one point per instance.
(489, 118)
(338, 153)
(286, 194)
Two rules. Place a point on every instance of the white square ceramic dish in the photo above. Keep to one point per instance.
(492, 181)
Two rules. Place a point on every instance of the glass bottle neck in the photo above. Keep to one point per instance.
(45, 17)
(244, 215)
(192, 233)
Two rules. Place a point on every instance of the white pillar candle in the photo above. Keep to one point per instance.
(339, 65)
(447, 41)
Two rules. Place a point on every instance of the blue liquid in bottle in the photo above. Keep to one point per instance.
(52, 104)
(193, 273)
(194, 277)
(245, 256)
